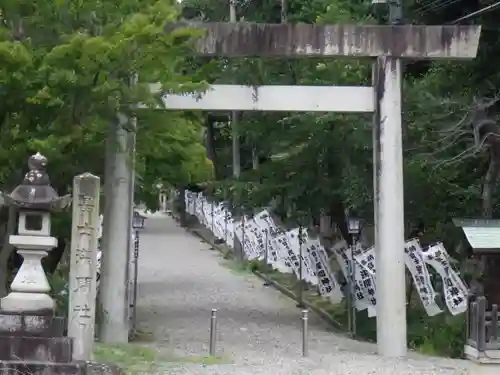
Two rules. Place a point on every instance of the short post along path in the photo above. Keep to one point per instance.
(259, 330)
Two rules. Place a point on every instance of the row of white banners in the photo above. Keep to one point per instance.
(261, 238)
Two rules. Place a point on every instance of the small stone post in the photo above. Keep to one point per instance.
(83, 277)
(163, 201)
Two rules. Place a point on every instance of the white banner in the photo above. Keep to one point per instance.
(247, 239)
(308, 272)
(190, 202)
(200, 212)
(454, 289)
(420, 275)
(219, 225)
(276, 256)
(363, 300)
(208, 212)
(256, 231)
(261, 235)
(327, 283)
(365, 282)
(280, 241)
(228, 230)
(414, 261)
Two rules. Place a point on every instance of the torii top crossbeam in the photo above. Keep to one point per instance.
(311, 40)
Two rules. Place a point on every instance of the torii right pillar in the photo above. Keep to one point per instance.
(458, 42)
(388, 45)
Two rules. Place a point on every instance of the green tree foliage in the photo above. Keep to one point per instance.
(65, 69)
(170, 152)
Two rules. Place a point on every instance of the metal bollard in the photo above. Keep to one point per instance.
(353, 297)
(212, 215)
(301, 305)
(225, 226)
(213, 332)
(305, 344)
(266, 255)
(136, 270)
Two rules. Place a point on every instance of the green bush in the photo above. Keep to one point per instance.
(60, 290)
(440, 335)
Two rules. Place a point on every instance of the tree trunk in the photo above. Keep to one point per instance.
(325, 225)
(210, 145)
(255, 159)
(337, 213)
(181, 205)
(489, 183)
(235, 135)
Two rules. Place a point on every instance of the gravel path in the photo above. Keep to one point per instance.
(181, 280)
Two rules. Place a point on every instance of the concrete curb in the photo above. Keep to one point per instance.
(279, 287)
(319, 311)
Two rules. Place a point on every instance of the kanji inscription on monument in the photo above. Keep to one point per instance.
(82, 285)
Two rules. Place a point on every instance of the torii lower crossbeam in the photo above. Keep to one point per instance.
(277, 98)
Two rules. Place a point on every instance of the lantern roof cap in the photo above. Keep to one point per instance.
(35, 191)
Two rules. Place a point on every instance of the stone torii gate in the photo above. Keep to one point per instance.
(387, 46)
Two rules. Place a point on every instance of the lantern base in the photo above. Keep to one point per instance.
(27, 302)
(22, 324)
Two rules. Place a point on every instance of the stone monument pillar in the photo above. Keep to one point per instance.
(83, 271)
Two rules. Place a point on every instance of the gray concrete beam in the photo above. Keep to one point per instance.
(311, 40)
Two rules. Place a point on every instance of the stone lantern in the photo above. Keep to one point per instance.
(36, 200)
